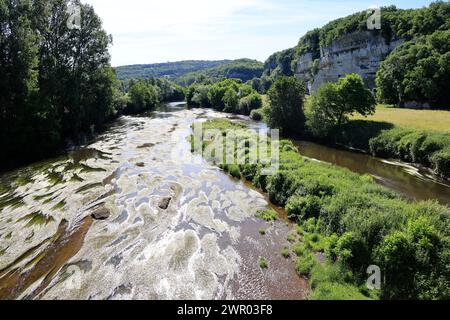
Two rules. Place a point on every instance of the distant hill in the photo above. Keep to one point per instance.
(170, 69)
(186, 72)
(244, 69)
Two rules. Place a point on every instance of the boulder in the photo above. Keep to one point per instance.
(100, 214)
(164, 203)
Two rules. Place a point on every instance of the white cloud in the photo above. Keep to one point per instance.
(160, 30)
(178, 17)
(147, 31)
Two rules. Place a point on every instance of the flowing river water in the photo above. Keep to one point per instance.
(176, 230)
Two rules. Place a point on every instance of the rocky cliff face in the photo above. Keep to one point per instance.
(359, 52)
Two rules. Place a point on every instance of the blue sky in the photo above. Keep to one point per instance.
(149, 31)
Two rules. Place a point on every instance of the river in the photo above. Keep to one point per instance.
(409, 181)
(175, 230)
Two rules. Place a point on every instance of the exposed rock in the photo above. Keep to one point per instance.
(100, 214)
(140, 164)
(358, 52)
(146, 145)
(164, 203)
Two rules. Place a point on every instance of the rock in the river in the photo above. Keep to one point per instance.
(100, 214)
(146, 145)
(164, 203)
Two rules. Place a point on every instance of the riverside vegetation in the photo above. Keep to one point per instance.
(57, 87)
(354, 223)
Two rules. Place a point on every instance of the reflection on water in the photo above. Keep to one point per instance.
(172, 231)
(407, 180)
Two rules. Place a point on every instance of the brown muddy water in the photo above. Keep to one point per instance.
(411, 182)
(204, 243)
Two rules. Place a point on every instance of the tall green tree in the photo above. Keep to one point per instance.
(286, 98)
(56, 82)
(143, 97)
(333, 103)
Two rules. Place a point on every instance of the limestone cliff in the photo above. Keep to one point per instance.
(358, 52)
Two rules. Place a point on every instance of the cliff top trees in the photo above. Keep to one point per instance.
(286, 98)
(417, 71)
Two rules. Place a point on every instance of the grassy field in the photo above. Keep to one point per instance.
(435, 120)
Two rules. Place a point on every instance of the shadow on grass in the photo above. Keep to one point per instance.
(357, 133)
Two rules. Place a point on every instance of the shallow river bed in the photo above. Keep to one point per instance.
(176, 230)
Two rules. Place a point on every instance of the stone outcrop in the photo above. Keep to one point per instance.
(359, 52)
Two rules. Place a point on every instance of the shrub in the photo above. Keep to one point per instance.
(416, 253)
(441, 162)
(263, 264)
(267, 215)
(249, 103)
(257, 115)
(235, 171)
(299, 207)
(427, 148)
(285, 253)
(304, 264)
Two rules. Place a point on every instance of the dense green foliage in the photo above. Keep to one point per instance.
(230, 95)
(172, 70)
(56, 83)
(286, 98)
(280, 64)
(429, 149)
(418, 71)
(333, 103)
(142, 97)
(243, 69)
(355, 223)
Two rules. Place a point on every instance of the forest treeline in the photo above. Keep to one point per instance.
(185, 73)
(170, 70)
(57, 87)
(56, 83)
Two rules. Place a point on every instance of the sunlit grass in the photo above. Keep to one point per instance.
(436, 120)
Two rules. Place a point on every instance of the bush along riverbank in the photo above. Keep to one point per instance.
(381, 139)
(346, 222)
